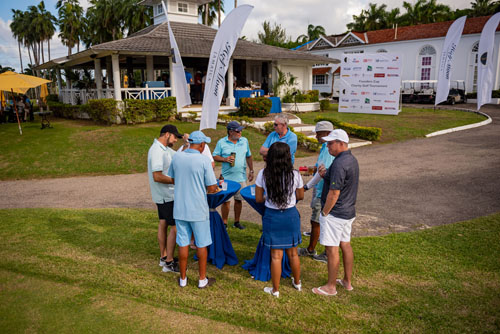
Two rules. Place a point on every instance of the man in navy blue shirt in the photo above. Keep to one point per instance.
(338, 200)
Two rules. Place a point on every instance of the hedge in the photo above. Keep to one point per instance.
(363, 132)
(143, 111)
(103, 110)
(254, 107)
(495, 94)
(302, 97)
(324, 105)
(66, 110)
(311, 144)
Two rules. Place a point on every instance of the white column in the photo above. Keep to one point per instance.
(59, 82)
(309, 78)
(98, 77)
(230, 101)
(150, 75)
(116, 77)
(109, 76)
(171, 70)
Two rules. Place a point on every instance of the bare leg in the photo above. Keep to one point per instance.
(332, 253)
(293, 257)
(276, 258)
(225, 211)
(202, 262)
(313, 241)
(348, 260)
(183, 258)
(162, 237)
(171, 243)
(237, 210)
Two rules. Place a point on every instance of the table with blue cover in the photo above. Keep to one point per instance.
(276, 107)
(260, 266)
(221, 251)
(241, 93)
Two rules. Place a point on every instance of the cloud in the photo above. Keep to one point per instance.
(296, 15)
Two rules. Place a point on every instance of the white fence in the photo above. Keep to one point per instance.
(81, 96)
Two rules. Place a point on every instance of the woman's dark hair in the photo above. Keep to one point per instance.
(278, 174)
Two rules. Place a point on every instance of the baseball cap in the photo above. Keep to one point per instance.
(198, 137)
(337, 134)
(233, 125)
(323, 126)
(170, 129)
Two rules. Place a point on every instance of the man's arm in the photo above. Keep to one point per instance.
(161, 178)
(331, 199)
(212, 189)
(263, 151)
(250, 167)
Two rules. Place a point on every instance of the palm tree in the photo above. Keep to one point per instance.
(105, 21)
(272, 35)
(484, 7)
(375, 17)
(135, 16)
(313, 32)
(70, 23)
(17, 31)
(392, 18)
(209, 11)
(45, 26)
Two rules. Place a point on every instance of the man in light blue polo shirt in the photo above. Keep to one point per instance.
(193, 176)
(159, 158)
(281, 133)
(234, 168)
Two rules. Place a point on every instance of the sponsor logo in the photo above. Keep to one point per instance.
(355, 75)
(345, 75)
(382, 60)
(357, 68)
(353, 93)
(379, 67)
(367, 101)
(379, 94)
(392, 68)
(390, 108)
(379, 75)
(344, 107)
(393, 92)
(365, 93)
(393, 75)
(355, 100)
(484, 58)
(395, 59)
(355, 60)
(345, 60)
(367, 60)
(369, 68)
(379, 101)
(344, 100)
(389, 101)
(346, 69)
(376, 107)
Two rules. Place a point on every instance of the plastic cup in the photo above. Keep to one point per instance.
(224, 186)
(252, 190)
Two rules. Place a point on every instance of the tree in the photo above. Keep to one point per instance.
(484, 7)
(272, 35)
(18, 31)
(44, 23)
(209, 11)
(6, 68)
(313, 32)
(135, 16)
(70, 23)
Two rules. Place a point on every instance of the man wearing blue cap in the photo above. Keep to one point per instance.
(234, 153)
(193, 176)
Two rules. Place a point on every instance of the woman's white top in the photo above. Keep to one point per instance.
(297, 184)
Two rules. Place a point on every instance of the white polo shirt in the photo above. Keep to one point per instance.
(159, 160)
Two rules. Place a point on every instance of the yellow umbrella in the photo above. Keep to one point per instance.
(19, 83)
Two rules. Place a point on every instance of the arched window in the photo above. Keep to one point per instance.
(473, 66)
(426, 63)
(381, 51)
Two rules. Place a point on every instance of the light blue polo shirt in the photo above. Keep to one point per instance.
(290, 138)
(192, 172)
(159, 159)
(224, 147)
(326, 159)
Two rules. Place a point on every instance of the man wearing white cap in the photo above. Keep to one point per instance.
(338, 200)
(193, 176)
(325, 159)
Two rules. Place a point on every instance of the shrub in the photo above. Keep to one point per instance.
(324, 105)
(494, 94)
(103, 110)
(64, 110)
(268, 127)
(301, 97)
(142, 111)
(368, 133)
(311, 144)
(254, 107)
(52, 98)
(326, 94)
(234, 117)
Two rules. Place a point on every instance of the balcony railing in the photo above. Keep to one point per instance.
(82, 96)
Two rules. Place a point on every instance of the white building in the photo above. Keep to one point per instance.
(420, 47)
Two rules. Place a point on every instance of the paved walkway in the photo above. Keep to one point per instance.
(403, 186)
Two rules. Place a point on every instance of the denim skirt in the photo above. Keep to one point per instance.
(281, 228)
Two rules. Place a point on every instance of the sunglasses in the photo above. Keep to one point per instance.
(276, 124)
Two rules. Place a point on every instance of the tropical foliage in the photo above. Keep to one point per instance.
(210, 11)
(420, 12)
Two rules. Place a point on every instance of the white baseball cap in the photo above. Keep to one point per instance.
(337, 134)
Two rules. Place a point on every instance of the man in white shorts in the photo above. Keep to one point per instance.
(338, 201)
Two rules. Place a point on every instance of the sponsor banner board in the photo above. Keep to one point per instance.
(370, 83)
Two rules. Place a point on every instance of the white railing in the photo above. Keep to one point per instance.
(82, 96)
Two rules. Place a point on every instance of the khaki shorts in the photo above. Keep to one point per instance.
(238, 196)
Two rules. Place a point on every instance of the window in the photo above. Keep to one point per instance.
(182, 7)
(159, 9)
(426, 63)
(319, 79)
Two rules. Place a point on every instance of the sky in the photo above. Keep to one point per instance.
(293, 15)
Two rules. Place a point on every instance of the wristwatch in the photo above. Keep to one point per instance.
(306, 187)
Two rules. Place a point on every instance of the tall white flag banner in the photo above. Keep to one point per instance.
(485, 70)
(449, 48)
(180, 86)
(222, 49)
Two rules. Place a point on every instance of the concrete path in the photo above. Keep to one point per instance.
(403, 186)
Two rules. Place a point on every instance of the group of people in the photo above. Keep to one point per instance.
(180, 182)
(24, 109)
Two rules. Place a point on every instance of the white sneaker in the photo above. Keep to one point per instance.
(270, 291)
(297, 286)
(163, 260)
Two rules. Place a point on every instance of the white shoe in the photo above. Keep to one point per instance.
(270, 291)
(297, 286)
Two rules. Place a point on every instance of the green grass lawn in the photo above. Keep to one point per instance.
(81, 271)
(410, 123)
(73, 148)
